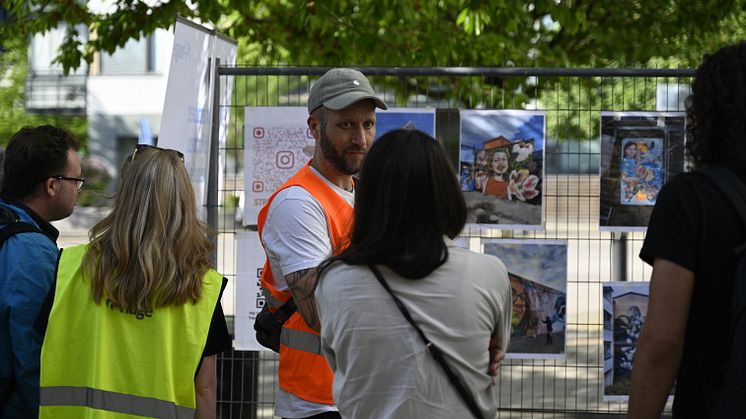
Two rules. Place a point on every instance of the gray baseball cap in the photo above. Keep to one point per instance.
(339, 88)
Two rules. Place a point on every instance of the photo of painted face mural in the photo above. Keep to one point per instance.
(537, 270)
(501, 165)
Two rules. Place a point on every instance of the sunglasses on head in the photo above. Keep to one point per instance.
(141, 147)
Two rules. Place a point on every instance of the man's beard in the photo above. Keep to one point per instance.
(337, 159)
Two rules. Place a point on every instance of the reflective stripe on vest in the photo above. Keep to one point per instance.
(303, 370)
(97, 355)
(273, 302)
(113, 402)
(300, 340)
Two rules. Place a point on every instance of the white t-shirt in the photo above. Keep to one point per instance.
(382, 368)
(296, 237)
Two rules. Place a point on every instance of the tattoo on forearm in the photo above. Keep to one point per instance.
(301, 285)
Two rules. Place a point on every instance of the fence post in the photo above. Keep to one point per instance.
(213, 164)
(619, 258)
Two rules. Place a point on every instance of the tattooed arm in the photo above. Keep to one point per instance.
(301, 285)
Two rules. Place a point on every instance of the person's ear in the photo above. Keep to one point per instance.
(314, 126)
(50, 187)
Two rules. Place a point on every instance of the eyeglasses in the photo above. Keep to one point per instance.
(141, 147)
(79, 181)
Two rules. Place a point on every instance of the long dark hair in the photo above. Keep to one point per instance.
(716, 110)
(408, 197)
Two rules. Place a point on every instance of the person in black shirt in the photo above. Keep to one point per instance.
(689, 243)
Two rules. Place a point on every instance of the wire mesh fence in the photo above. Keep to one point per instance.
(572, 99)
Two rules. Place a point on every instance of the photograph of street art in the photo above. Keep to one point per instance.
(625, 307)
(538, 278)
(408, 118)
(501, 167)
(640, 152)
(642, 170)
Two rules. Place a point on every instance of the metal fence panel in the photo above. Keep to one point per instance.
(572, 100)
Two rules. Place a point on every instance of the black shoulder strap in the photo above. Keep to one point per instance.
(12, 225)
(731, 186)
(14, 228)
(434, 350)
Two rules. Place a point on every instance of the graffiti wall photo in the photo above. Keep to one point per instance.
(501, 167)
(538, 278)
(640, 152)
(625, 307)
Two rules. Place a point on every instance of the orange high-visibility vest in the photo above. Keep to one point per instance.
(303, 370)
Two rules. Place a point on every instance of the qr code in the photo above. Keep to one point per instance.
(279, 153)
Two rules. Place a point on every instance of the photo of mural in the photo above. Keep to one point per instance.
(537, 270)
(409, 118)
(625, 307)
(641, 170)
(501, 167)
(640, 152)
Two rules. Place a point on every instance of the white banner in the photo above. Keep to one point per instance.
(224, 49)
(187, 109)
(249, 297)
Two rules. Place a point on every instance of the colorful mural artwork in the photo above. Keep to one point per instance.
(642, 173)
(625, 308)
(502, 166)
(640, 152)
(532, 303)
(538, 279)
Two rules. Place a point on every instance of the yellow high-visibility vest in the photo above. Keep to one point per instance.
(101, 361)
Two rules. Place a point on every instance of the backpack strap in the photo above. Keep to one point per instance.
(13, 225)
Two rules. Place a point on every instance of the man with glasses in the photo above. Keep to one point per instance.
(41, 182)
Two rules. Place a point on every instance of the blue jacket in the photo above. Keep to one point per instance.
(27, 268)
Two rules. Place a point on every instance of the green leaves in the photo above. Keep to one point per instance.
(411, 32)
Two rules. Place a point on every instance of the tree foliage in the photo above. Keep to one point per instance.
(544, 33)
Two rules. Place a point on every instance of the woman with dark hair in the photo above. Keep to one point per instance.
(408, 208)
(691, 236)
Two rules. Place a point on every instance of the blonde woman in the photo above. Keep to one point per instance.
(136, 321)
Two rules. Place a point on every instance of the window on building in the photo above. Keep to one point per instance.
(136, 57)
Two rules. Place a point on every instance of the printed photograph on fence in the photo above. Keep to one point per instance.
(625, 307)
(641, 176)
(501, 167)
(277, 143)
(538, 278)
(640, 152)
(408, 118)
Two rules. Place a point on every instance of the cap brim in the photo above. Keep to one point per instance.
(347, 99)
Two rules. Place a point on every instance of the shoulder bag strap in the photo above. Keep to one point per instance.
(434, 350)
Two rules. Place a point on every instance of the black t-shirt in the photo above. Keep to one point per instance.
(694, 226)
